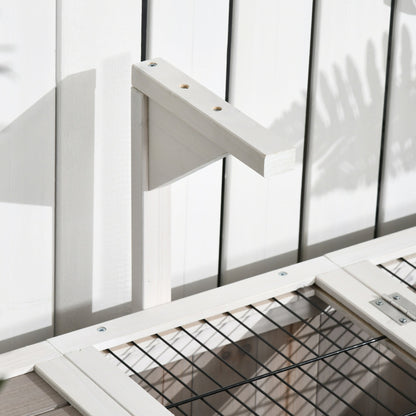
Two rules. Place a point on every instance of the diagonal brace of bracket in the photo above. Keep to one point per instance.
(189, 127)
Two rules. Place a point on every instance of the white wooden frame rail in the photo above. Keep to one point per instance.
(73, 365)
(179, 126)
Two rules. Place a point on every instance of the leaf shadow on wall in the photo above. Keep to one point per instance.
(341, 158)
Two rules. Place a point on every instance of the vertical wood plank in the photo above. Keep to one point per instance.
(346, 120)
(150, 218)
(28, 395)
(398, 193)
(269, 71)
(192, 35)
(27, 171)
(97, 43)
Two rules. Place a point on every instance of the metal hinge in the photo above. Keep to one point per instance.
(397, 307)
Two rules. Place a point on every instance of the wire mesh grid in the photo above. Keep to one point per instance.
(402, 269)
(251, 362)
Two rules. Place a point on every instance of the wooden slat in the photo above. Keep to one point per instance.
(150, 218)
(377, 251)
(28, 395)
(78, 389)
(268, 83)
(97, 43)
(346, 120)
(193, 308)
(27, 171)
(379, 281)
(356, 296)
(117, 385)
(22, 360)
(398, 197)
(189, 42)
(65, 411)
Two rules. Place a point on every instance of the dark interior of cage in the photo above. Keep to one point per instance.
(295, 355)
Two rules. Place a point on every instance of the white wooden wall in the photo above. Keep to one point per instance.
(271, 75)
(27, 160)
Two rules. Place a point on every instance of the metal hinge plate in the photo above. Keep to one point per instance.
(397, 307)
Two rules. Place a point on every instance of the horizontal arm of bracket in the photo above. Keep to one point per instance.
(190, 126)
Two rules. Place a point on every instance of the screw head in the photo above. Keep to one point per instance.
(282, 273)
(396, 297)
(403, 320)
(102, 329)
(379, 302)
(153, 64)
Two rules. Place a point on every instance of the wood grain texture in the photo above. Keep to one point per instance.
(21, 361)
(97, 43)
(151, 283)
(193, 308)
(65, 411)
(117, 385)
(182, 33)
(398, 195)
(346, 123)
(78, 388)
(227, 128)
(28, 395)
(27, 154)
(268, 82)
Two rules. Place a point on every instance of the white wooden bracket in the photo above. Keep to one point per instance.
(189, 127)
(179, 126)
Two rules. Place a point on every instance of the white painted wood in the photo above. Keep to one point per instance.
(21, 361)
(346, 119)
(356, 296)
(377, 251)
(398, 197)
(117, 385)
(269, 70)
(97, 43)
(27, 159)
(187, 310)
(150, 219)
(192, 35)
(379, 281)
(176, 149)
(78, 389)
(228, 129)
(370, 330)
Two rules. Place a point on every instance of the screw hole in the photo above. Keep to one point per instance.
(153, 64)
(102, 329)
(282, 273)
(184, 86)
(217, 108)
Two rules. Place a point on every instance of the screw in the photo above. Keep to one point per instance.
(282, 273)
(403, 320)
(379, 302)
(396, 297)
(153, 64)
(102, 329)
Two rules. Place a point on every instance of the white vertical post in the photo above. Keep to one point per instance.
(151, 282)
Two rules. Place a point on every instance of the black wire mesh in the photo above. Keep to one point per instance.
(321, 364)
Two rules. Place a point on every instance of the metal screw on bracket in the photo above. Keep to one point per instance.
(282, 273)
(396, 297)
(379, 302)
(403, 320)
(102, 329)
